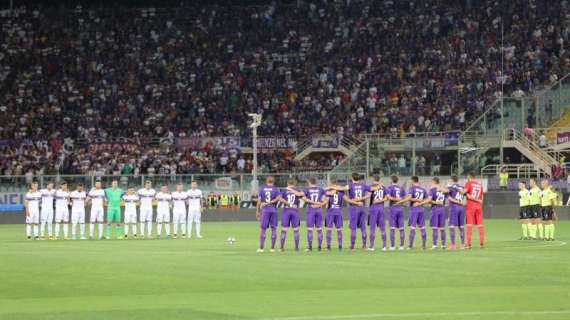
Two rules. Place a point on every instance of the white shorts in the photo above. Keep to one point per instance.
(46, 215)
(162, 216)
(61, 214)
(97, 214)
(78, 216)
(179, 216)
(145, 214)
(34, 217)
(131, 217)
(194, 216)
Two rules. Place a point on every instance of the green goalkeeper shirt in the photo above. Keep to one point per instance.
(114, 196)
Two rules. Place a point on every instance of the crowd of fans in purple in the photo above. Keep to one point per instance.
(73, 77)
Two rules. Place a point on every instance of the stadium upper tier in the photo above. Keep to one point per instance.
(342, 67)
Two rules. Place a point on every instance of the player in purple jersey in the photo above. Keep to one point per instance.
(437, 220)
(290, 214)
(456, 199)
(396, 195)
(334, 213)
(376, 212)
(316, 200)
(266, 212)
(417, 196)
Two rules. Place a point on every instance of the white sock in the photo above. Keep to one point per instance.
(167, 229)
(189, 227)
(42, 229)
(57, 229)
(28, 230)
(183, 227)
(149, 227)
(158, 229)
(49, 228)
(198, 228)
(175, 228)
(142, 228)
(73, 227)
(65, 230)
(126, 229)
(36, 227)
(101, 230)
(134, 226)
(82, 228)
(91, 229)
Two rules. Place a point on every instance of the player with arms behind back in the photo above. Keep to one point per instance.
(146, 196)
(266, 212)
(32, 206)
(97, 215)
(78, 197)
(195, 208)
(474, 209)
(130, 199)
(46, 214)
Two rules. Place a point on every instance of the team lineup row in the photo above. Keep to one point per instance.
(187, 207)
(465, 210)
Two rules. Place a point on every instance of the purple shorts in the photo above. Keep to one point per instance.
(396, 218)
(314, 217)
(356, 217)
(456, 216)
(376, 217)
(268, 218)
(290, 218)
(334, 217)
(437, 219)
(416, 218)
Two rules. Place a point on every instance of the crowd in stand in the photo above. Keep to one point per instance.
(343, 67)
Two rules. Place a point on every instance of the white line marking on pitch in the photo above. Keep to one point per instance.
(544, 245)
(425, 314)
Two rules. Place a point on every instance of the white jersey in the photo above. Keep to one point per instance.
(97, 197)
(130, 203)
(194, 199)
(77, 200)
(47, 198)
(61, 199)
(146, 196)
(179, 200)
(163, 201)
(33, 199)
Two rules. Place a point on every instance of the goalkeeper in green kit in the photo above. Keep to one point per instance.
(114, 195)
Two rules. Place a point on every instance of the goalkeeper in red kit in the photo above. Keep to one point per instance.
(474, 209)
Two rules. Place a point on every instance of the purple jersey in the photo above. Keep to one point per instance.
(396, 191)
(291, 198)
(455, 194)
(377, 195)
(417, 193)
(267, 194)
(437, 196)
(335, 201)
(314, 193)
(357, 190)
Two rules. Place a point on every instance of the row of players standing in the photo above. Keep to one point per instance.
(39, 205)
(355, 194)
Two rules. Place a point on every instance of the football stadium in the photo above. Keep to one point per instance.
(284, 160)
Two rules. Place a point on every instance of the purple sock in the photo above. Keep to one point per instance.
(392, 237)
(412, 236)
(434, 236)
(310, 239)
(372, 236)
(262, 239)
(329, 238)
(273, 237)
(320, 237)
(462, 235)
(363, 231)
(352, 238)
(452, 235)
(339, 237)
(424, 237)
(442, 231)
(402, 237)
(383, 239)
(283, 235)
(296, 237)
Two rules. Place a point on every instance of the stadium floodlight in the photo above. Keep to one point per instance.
(256, 122)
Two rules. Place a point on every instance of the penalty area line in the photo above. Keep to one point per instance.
(556, 243)
(424, 314)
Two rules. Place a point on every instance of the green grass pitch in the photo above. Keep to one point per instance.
(211, 279)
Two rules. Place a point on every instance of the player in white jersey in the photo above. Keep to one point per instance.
(32, 205)
(179, 198)
(146, 196)
(46, 214)
(194, 208)
(131, 200)
(78, 211)
(62, 209)
(163, 211)
(96, 197)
